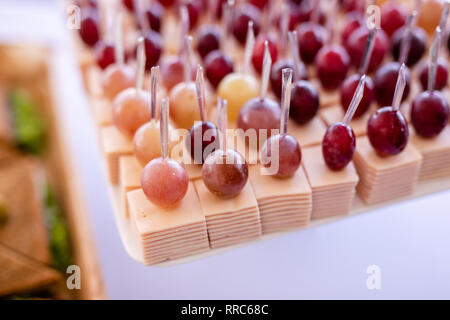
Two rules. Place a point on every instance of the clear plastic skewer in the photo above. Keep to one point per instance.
(154, 76)
(407, 37)
(285, 98)
(139, 10)
(267, 65)
(434, 53)
(200, 90)
(223, 123)
(331, 20)
(164, 128)
(184, 15)
(187, 53)
(249, 45)
(227, 11)
(118, 40)
(293, 43)
(399, 87)
(356, 100)
(284, 26)
(140, 64)
(370, 44)
(444, 15)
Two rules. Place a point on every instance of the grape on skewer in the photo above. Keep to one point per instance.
(225, 171)
(164, 181)
(441, 74)
(304, 102)
(295, 63)
(172, 68)
(339, 142)
(89, 27)
(387, 128)
(245, 13)
(131, 108)
(203, 135)
(417, 48)
(146, 140)
(332, 60)
(154, 14)
(239, 87)
(386, 77)
(350, 84)
(217, 63)
(261, 113)
(393, 17)
(430, 109)
(283, 147)
(118, 76)
(184, 111)
(258, 50)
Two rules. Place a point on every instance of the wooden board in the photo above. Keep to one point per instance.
(132, 246)
(43, 81)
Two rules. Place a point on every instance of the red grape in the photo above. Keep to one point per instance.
(194, 8)
(385, 81)
(218, 65)
(393, 17)
(352, 22)
(129, 4)
(153, 48)
(418, 45)
(332, 63)
(429, 113)
(388, 131)
(172, 72)
(155, 14)
(311, 37)
(441, 75)
(200, 136)
(225, 174)
(167, 3)
(243, 14)
(105, 54)
(351, 5)
(348, 89)
(357, 44)
(276, 73)
(288, 154)
(259, 48)
(208, 39)
(219, 8)
(338, 146)
(259, 114)
(304, 102)
(89, 31)
(296, 16)
(259, 3)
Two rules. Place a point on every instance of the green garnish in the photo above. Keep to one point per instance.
(58, 232)
(29, 125)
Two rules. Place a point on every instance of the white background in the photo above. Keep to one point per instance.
(410, 242)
